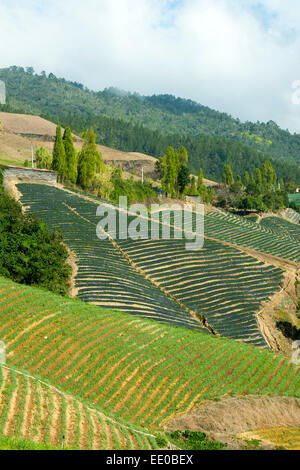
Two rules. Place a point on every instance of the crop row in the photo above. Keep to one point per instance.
(104, 277)
(33, 410)
(242, 232)
(219, 282)
(282, 226)
(293, 215)
(287, 438)
(136, 369)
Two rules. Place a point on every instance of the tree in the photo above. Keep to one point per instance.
(170, 172)
(246, 179)
(183, 178)
(88, 159)
(258, 177)
(71, 159)
(193, 188)
(43, 158)
(200, 179)
(269, 176)
(227, 176)
(59, 155)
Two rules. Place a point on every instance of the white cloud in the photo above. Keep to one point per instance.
(236, 56)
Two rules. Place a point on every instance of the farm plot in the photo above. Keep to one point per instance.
(34, 410)
(295, 198)
(286, 438)
(219, 282)
(239, 231)
(104, 277)
(293, 215)
(281, 226)
(134, 369)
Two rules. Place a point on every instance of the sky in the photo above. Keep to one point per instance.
(237, 56)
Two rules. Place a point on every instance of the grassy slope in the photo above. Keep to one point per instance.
(135, 369)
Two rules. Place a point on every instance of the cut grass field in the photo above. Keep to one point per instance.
(135, 369)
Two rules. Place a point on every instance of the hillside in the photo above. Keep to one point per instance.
(242, 266)
(211, 138)
(19, 131)
(96, 376)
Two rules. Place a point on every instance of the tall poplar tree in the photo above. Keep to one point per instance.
(59, 155)
(71, 159)
(89, 160)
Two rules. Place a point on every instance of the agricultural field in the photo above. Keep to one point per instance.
(295, 198)
(293, 216)
(159, 279)
(282, 438)
(132, 369)
(282, 227)
(37, 412)
(104, 278)
(219, 282)
(240, 231)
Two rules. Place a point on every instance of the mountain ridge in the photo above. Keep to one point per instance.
(131, 122)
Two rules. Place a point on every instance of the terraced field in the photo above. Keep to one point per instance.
(293, 216)
(240, 231)
(36, 411)
(295, 198)
(281, 226)
(138, 370)
(219, 282)
(286, 438)
(104, 277)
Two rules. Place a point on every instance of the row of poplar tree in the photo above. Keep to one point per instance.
(78, 168)
(175, 178)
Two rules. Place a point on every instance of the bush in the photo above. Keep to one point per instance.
(29, 253)
(194, 440)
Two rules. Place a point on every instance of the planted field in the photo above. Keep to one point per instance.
(219, 282)
(240, 231)
(286, 438)
(104, 277)
(295, 198)
(33, 410)
(281, 226)
(135, 369)
(293, 215)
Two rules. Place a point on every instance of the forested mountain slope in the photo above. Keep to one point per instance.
(148, 124)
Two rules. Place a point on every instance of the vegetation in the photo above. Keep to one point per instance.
(43, 159)
(28, 248)
(71, 157)
(243, 232)
(261, 190)
(63, 348)
(283, 438)
(11, 443)
(210, 282)
(192, 440)
(151, 124)
(34, 416)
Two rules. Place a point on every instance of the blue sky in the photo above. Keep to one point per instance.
(237, 56)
